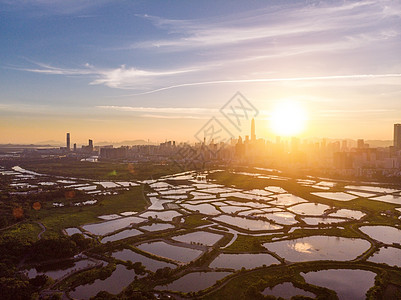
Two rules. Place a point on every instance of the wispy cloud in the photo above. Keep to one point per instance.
(164, 112)
(249, 46)
(261, 80)
(267, 25)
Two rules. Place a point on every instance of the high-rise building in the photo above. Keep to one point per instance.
(253, 133)
(397, 136)
(75, 147)
(360, 143)
(68, 142)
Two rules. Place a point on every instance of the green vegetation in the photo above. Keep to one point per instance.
(101, 170)
(88, 276)
(195, 220)
(249, 284)
(55, 219)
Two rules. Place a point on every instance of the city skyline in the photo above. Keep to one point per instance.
(135, 70)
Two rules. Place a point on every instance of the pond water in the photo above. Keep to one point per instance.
(385, 234)
(317, 220)
(202, 237)
(157, 227)
(250, 212)
(106, 184)
(348, 284)
(114, 284)
(205, 208)
(128, 213)
(258, 192)
(320, 187)
(121, 235)
(389, 255)
(287, 199)
(245, 196)
(326, 183)
(248, 261)
(21, 170)
(194, 282)
(60, 269)
(309, 209)
(287, 290)
(66, 181)
(111, 226)
(284, 218)
(374, 189)
(348, 213)
(201, 196)
(71, 231)
(166, 215)
(395, 199)
(127, 183)
(172, 252)
(219, 190)
(87, 188)
(109, 217)
(149, 263)
(248, 204)
(319, 248)
(248, 224)
(362, 194)
(157, 204)
(339, 196)
(228, 209)
(275, 189)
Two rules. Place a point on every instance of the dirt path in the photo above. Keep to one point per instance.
(43, 229)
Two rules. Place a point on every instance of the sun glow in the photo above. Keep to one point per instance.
(288, 119)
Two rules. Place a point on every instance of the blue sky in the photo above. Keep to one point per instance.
(119, 70)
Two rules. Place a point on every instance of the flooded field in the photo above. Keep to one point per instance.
(59, 270)
(186, 219)
(121, 235)
(319, 248)
(157, 227)
(111, 226)
(194, 282)
(172, 252)
(199, 237)
(247, 224)
(287, 290)
(390, 256)
(114, 284)
(385, 234)
(248, 261)
(339, 196)
(150, 264)
(348, 284)
(310, 209)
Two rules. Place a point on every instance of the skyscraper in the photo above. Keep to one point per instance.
(253, 134)
(68, 142)
(397, 136)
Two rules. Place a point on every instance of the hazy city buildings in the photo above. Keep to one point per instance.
(68, 142)
(397, 136)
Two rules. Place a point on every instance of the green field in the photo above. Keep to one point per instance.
(55, 219)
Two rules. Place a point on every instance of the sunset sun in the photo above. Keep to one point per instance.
(288, 119)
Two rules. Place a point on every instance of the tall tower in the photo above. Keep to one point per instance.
(68, 142)
(253, 135)
(397, 136)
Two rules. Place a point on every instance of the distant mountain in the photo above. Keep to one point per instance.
(51, 142)
(379, 143)
(125, 143)
(22, 146)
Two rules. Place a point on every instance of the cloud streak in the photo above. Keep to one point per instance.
(263, 80)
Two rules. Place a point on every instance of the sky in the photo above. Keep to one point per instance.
(160, 70)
